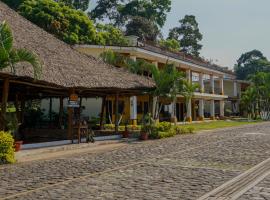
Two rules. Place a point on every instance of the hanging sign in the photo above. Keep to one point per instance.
(73, 101)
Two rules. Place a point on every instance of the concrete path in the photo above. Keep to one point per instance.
(183, 167)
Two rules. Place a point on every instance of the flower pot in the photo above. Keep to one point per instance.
(18, 145)
(144, 136)
(125, 134)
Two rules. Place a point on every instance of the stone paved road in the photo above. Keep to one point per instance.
(183, 167)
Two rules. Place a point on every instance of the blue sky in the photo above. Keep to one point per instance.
(229, 27)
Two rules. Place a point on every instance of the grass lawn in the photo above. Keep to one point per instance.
(217, 124)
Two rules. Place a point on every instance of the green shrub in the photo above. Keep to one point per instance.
(180, 130)
(6, 148)
(154, 134)
(190, 130)
(164, 126)
(169, 133)
(109, 126)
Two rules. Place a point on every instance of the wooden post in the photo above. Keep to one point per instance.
(116, 112)
(22, 108)
(4, 102)
(70, 116)
(17, 106)
(101, 122)
(61, 111)
(50, 111)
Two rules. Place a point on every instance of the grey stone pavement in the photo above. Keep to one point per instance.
(183, 167)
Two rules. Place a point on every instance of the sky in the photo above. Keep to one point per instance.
(229, 27)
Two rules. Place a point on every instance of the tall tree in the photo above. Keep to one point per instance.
(188, 35)
(77, 4)
(142, 27)
(250, 63)
(120, 10)
(142, 18)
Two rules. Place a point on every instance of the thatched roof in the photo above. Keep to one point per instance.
(64, 66)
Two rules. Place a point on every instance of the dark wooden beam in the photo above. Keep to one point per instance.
(4, 103)
(61, 111)
(101, 123)
(70, 116)
(116, 112)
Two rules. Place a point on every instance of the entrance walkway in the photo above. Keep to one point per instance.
(184, 167)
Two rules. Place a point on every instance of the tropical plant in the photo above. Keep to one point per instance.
(248, 101)
(188, 92)
(9, 56)
(113, 58)
(259, 95)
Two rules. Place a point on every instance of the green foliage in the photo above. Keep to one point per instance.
(76, 4)
(170, 44)
(169, 133)
(164, 126)
(142, 27)
(256, 99)
(69, 25)
(120, 11)
(250, 63)
(10, 56)
(181, 130)
(188, 35)
(6, 148)
(109, 35)
(113, 58)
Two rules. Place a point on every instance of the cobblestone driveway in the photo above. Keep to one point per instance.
(183, 167)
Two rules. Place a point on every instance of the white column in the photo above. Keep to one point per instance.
(133, 101)
(189, 112)
(212, 82)
(221, 107)
(188, 75)
(201, 109)
(201, 82)
(212, 109)
(221, 82)
(235, 92)
(133, 109)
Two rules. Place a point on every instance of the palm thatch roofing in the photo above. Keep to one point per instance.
(62, 65)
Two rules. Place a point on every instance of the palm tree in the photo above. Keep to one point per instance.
(248, 100)
(188, 92)
(10, 56)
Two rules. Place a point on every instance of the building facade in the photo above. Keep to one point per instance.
(218, 95)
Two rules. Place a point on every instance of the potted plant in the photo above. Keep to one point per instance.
(126, 132)
(13, 126)
(144, 132)
(146, 127)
